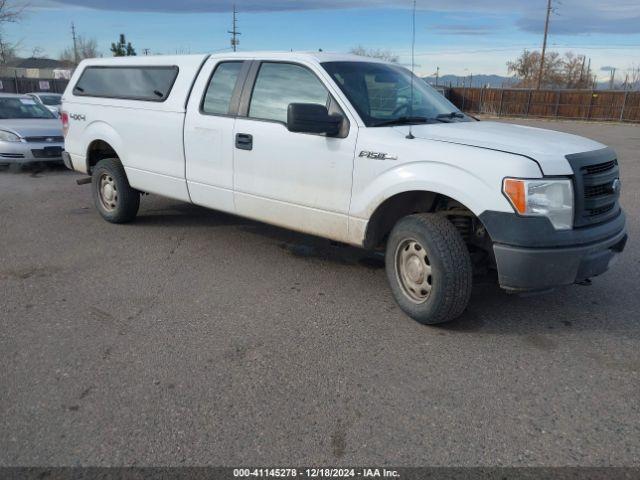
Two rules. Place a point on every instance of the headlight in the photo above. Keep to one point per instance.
(8, 136)
(542, 198)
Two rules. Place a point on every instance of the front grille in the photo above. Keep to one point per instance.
(48, 152)
(596, 190)
(602, 167)
(593, 212)
(595, 175)
(50, 139)
(12, 155)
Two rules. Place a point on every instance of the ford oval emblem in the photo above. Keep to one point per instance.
(616, 186)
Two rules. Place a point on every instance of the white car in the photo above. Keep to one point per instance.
(355, 150)
(52, 101)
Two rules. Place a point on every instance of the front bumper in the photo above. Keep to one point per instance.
(530, 269)
(26, 152)
(531, 255)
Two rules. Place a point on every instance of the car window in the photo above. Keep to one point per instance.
(278, 85)
(51, 100)
(16, 107)
(152, 83)
(220, 90)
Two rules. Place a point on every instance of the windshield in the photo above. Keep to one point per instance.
(381, 93)
(16, 107)
(51, 100)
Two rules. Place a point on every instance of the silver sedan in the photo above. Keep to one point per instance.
(29, 132)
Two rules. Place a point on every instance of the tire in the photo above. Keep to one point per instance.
(429, 268)
(117, 202)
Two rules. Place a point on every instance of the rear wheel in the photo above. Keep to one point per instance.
(429, 268)
(113, 197)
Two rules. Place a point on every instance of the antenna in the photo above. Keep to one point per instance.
(234, 32)
(413, 66)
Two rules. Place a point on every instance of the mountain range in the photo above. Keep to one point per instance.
(476, 81)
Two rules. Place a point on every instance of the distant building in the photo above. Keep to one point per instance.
(37, 68)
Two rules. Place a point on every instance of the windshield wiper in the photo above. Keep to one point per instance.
(402, 121)
(449, 116)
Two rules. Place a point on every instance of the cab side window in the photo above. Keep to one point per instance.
(279, 84)
(217, 98)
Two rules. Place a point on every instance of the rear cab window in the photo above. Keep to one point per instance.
(222, 85)
(146, 83)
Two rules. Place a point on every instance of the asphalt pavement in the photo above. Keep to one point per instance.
(193, 337)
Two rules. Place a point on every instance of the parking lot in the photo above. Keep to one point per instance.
(193, 337)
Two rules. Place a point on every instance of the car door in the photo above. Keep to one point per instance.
(295, 180)
(208, 133)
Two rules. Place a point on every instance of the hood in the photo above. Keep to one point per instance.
(547, 147)
(33, 127)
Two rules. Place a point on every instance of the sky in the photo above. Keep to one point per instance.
(460, 37)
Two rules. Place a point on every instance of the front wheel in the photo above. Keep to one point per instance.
(429, 268)
(114, 198)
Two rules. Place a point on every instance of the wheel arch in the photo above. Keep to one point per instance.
(98, 150)
(101, 141)
(410, 202)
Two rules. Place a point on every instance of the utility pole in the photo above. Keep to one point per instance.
(613, 78)
(437, 75)
(145, 51)
(234, 32)
(544, 44)
(584, 59)
(75, 43)
(3, 53)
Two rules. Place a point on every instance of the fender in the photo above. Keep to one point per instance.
(461, 185)
(99, 130)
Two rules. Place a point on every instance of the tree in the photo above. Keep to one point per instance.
(38, 52)
(633, 81)
(566, 71)
(527, 67)
(8, 51)
(87, 48)
(575, 72)
(10, 12)
(375, 53)
(122, 48)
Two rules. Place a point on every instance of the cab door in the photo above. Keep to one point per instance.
(295, 180)
(208, 133)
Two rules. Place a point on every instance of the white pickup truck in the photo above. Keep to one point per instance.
(355, 150)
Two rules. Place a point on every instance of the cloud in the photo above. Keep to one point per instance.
(461, 29)
(570, 16)
(174, 6)
(573, 17)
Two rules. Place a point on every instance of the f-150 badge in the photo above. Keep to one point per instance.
(377, 155)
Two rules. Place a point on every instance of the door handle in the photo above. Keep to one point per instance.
(244, 141)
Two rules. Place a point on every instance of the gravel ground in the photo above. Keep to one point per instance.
(197, 338)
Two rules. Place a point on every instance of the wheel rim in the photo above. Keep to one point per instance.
(413, 270)
(108, 192)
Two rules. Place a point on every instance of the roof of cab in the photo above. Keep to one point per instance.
(309, 56)
(179, 60)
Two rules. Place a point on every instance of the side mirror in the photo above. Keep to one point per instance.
(312, 118)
